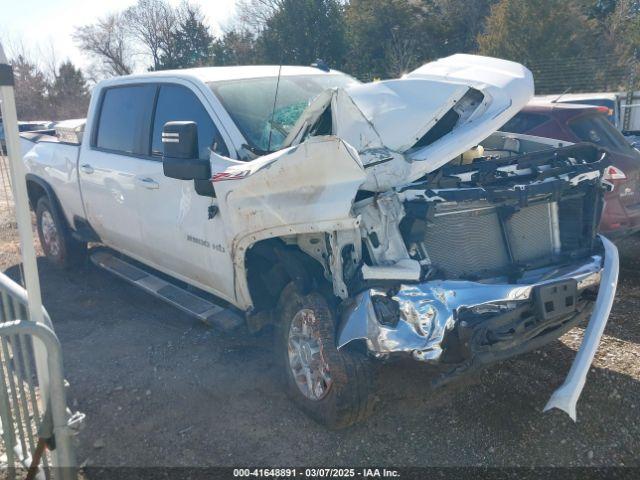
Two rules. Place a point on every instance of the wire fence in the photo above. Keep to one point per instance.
(10, 252)
(600, 72)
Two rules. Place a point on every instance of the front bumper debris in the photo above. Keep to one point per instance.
(429, 310)
(566, 396)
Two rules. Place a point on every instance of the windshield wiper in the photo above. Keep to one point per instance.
(255, 150)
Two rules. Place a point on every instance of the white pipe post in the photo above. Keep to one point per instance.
(23, 217)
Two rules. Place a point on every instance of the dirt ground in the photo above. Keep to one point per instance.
(161, 389)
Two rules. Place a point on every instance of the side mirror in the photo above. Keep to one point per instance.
(180, 152)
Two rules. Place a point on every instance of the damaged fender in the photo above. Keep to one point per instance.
(308, 188)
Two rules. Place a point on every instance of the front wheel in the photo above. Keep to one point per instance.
(333, 387)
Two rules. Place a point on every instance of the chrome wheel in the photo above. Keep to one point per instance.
(49, 234)
(306, 356)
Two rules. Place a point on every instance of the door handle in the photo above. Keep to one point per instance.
(86, 168)
(149, 183)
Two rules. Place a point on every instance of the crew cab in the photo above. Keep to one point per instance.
(362, 221)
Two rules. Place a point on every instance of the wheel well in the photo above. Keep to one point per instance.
(34, 192)
(272, 264)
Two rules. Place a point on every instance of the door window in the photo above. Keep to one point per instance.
(597, 129)
(125, 119)
(178, 103)
(524, 122)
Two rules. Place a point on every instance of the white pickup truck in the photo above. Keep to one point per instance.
(363, 221)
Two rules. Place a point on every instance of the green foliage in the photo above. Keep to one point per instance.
(528, 32)
(190, 43)
(31, 89)
(236, 47)
(457, 24)
(61, 95)
(301, 31)
(386, 37)
(576, 44)
(68, 93)
(563, 47)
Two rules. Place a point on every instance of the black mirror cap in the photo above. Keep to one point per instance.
(186, 168)
(180, 152)
(180, 140)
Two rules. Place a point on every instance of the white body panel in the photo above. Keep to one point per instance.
(179, 238)
(382, 136)
(57, 163)
(384, 121)
(309, 187)
(109, 183)
(507, 87)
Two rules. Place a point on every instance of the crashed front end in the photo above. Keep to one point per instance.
(507, 254)
(433, 250)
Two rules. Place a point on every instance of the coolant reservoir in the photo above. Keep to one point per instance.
(471, 154)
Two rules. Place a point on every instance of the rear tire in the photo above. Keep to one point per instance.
(334, 387)
(58, 245)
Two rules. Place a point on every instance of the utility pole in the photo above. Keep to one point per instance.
(23, 215)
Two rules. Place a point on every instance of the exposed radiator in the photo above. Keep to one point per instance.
(531, 232)
(471, 243)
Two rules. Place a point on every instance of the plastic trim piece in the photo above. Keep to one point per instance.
(6, 75)
(566, 396)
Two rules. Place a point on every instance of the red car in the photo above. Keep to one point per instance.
(585, 123)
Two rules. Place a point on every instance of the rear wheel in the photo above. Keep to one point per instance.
(55, 237)
(333, 387)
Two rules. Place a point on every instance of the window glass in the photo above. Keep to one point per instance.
(125, 118)
(597, 129)
(524, 122)
(178, 103)
(250, 103)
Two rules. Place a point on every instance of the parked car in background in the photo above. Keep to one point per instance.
(25, 127)
(625, 119)
(582, 123)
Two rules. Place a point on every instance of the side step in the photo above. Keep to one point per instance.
(199, 307)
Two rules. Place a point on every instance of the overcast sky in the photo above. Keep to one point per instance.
(37, 23)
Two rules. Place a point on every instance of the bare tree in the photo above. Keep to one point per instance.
(107, 42)
(401, 53)
(152, 22)
(254, 14)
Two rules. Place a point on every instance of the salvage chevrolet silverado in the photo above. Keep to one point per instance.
(363, 221)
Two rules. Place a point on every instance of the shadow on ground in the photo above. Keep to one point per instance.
(160, 388)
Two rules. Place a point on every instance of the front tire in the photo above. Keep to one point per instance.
(333, 387)
(58, 245)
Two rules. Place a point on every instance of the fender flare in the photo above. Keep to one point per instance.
(30, 177)
(242, 243)
(51, 194)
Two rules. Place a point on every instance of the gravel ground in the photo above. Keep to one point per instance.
(161, 389)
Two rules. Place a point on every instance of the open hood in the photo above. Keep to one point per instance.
(405, 128)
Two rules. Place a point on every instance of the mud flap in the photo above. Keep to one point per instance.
(566, 396)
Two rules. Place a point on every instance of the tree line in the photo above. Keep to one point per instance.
(582, 45)
(57, 92)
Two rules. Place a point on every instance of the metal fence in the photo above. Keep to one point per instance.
(32, 415)
(33, 412)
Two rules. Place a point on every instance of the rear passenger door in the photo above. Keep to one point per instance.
(109, 168)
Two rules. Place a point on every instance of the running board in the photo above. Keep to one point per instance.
(199, 307)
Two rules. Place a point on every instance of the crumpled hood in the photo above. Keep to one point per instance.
(405, 128)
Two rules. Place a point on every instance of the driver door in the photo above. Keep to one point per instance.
(181, 238)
